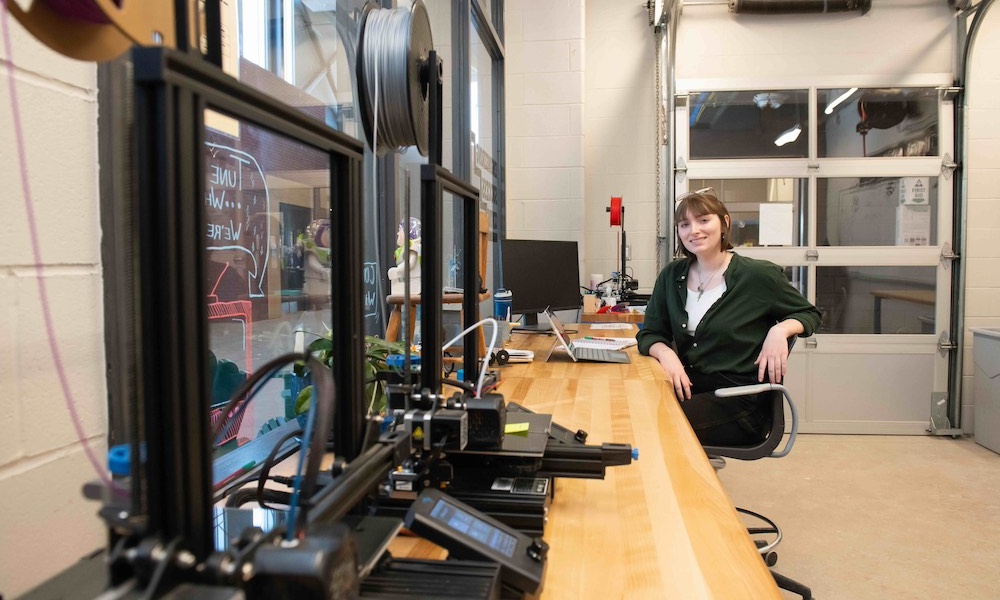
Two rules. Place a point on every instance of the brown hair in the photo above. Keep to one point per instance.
(700, 203)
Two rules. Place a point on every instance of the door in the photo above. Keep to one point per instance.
(844, 188)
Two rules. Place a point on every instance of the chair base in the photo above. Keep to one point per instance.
(766, 550)
(792, 586)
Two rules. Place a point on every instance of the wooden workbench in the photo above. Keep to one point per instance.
(662, 527)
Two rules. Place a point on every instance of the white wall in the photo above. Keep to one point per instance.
(565, 162)
(544, 111)
(46, 525)
(896, 39)
(620, 128)
(982, 305)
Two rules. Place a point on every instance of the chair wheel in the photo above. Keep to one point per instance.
(503, 357)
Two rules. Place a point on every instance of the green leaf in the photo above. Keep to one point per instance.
(304, 400)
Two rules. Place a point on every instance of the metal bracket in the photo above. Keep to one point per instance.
(948, 93)
(680, 169)
(947, 254)
(945, 345)
(812, 254)
(940, 423)
(948, 166)
(813, 166)
(811, 343)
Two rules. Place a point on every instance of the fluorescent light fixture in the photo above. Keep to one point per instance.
(788, 136)
(838, 100)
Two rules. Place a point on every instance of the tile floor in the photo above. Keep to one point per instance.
(892, 517)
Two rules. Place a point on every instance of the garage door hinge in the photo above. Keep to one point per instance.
(947, 254)
(945, 345)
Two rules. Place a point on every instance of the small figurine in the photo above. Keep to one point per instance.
(409, 263)
(315, 243)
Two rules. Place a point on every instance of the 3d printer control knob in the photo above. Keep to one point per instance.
(538, 549)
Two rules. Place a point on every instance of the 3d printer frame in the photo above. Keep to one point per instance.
(172, 491)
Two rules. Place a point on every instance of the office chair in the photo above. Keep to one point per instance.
(396, 301)
(766, 448)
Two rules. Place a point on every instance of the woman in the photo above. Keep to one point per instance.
(717, 319)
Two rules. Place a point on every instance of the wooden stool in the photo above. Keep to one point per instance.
(392, 331)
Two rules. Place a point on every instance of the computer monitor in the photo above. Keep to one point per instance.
(540, 274)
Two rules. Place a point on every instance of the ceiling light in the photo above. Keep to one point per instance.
(838, 100)
(772, 99)
(788, 136)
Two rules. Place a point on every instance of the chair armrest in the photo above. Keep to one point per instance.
(746, 390)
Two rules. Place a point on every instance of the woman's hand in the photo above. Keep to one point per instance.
(672, 366)
(773, 357)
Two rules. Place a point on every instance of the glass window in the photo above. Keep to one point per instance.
(267, 270)
(894, 299)
(876, 211)
(749, 124)
(765, 212)
(483, 142)
(301, 51)
(853, 122)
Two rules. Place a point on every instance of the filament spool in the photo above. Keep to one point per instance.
(393, 48)
(617, 211)
(97, 30)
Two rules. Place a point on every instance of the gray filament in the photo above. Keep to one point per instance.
(385, 53)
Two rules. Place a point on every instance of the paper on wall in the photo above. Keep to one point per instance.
(775, 225)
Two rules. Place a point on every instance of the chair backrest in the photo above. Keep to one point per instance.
(766, 448)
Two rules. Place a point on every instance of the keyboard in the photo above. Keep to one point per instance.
(598, 354)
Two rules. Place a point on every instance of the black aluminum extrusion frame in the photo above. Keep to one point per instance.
(172, 92)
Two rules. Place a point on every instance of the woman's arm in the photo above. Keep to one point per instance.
(773, 357)
(672, 366)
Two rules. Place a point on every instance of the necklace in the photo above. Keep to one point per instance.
(702, 283)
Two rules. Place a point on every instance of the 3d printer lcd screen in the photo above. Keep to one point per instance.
(474, 528)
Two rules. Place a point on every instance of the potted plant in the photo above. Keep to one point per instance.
(376, 351)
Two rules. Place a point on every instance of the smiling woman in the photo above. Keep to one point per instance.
(717, 319)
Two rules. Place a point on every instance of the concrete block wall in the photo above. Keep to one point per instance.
(620, 127)
(545, 121)
(574, 141)
(46, 525)
(983, 186)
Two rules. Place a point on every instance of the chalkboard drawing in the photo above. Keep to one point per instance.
(410, 262)
(237, 213)
(315, 244)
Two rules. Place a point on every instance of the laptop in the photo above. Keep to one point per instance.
(584, 354)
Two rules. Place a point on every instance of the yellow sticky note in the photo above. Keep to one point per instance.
(516, 428)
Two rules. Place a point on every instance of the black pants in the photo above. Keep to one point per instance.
(736, 421)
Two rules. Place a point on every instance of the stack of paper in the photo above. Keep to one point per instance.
(520, 356)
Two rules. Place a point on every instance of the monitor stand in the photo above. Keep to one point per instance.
(531, 325)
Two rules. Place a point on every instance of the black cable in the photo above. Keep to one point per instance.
(465, 385)
(265, 470)
(244, 495)
(247, 390)
(325, 404)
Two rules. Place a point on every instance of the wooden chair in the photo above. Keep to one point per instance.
(396, 301)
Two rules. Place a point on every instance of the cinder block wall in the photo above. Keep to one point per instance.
(46, 525)
(620, 130)
(545, 121)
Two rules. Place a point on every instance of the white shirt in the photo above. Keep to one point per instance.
(696, 308)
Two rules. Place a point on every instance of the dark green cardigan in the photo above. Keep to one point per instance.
(730, 336)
